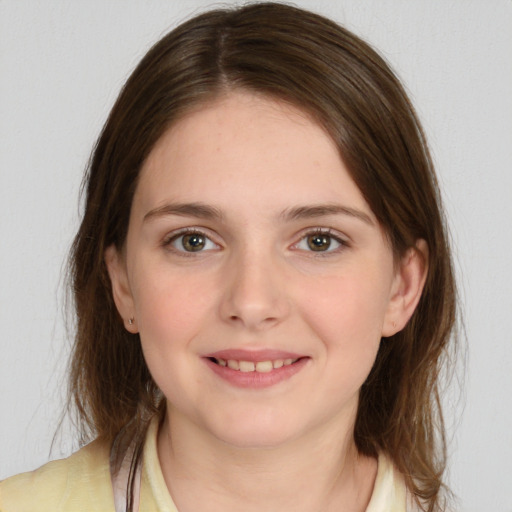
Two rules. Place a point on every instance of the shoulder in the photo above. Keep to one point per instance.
(79, 482)
(389, 491)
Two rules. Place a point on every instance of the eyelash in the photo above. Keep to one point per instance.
(173, 237)
(343, 243)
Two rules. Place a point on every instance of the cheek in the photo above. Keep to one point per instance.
(347, 314)
(170, 307)
(171, 312)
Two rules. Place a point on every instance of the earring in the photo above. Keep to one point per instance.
(130, 320)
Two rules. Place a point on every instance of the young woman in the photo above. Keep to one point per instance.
(263, 284)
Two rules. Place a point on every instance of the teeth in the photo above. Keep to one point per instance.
(233, 364)
(250, 366)
(247, 366)
(264, 366)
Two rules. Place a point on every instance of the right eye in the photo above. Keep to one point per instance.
(191, 241)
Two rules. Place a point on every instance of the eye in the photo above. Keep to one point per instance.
(191, 241)
(320, 241)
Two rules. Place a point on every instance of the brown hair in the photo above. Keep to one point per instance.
(322, 68)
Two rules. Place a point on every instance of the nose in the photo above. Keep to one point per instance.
(254, 293)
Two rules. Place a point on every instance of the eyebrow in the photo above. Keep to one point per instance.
(322, 210)
(200, 210)
(204, 211)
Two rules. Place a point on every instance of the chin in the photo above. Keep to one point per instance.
(256, 440)
(256, 434)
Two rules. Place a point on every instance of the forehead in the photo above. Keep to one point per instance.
(243, 145)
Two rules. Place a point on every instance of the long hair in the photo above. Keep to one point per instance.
(310, 62)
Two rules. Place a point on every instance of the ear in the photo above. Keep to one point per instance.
(121, 291)
(407, 288)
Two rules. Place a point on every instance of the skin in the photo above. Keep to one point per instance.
(257, 284)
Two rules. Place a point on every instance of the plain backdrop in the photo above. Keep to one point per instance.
(62, 64)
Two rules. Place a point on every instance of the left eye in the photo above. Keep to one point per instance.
(192, 242)
(319, 242)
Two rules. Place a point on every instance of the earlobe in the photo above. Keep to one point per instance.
(121, 291)
(407, 288)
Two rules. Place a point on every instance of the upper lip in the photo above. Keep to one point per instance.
(253, 355)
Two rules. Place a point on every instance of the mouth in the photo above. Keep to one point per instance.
(254, 366)
(255, 369)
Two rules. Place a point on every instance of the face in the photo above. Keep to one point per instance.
(258, 277)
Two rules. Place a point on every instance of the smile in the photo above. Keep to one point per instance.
(255, 369)
(254, 366)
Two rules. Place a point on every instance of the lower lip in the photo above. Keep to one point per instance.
(257, 380)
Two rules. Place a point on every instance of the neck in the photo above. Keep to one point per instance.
(205, 473)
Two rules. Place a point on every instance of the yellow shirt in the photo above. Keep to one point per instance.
(81, 483)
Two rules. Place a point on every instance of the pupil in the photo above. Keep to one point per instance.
(193, 242)
(319, 242)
